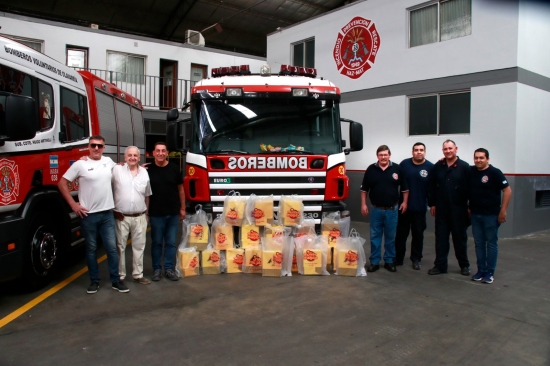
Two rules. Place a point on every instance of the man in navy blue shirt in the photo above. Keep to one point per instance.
(416, 171)
(487, 183)
(382, 182)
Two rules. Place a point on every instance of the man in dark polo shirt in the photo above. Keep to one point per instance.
(448, 196)
(382, 181)
(487, 183)
(416, 171)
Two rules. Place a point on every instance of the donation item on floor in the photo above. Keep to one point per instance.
(260, 209)
(276, 254)
(333, 226)
(311, 255)
(291, 210)
(252, 261)
(233, 208)
(187, 262)
(222, 234)
(249, 235)
(197, 229)
(211, 262)
(234, 260)
(351, 256)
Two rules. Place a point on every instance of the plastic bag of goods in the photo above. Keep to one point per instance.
(249, 235)
(350, 255)
(234, 259)
(311, 255)
(187, 262)
(197, 230)
(277, 254)
(222, 234)
(211, 261)
(260, 209)
(291, 210)
(252, 263)
(333, 226)
(233, 208)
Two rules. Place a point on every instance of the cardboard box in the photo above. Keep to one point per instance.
(313, 262)
(263, 211)
(272, 261)
(250, 236)
(211, 262)
(198, 236)
(189, 263)
(347, 262)
(253, 261)
(235, 260)
(223, 237)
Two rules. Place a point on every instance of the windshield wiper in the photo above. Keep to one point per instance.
(227, 151)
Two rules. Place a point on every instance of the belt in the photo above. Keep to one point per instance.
(385, 207)
(130, 215)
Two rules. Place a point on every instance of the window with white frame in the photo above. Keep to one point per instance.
(35, 44)
(126, 67)
(439, 21)
(440, 114)
(303, 53)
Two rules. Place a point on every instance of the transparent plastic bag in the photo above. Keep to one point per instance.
(249, 235)
(350, 258)
(259, 209)
(233, 208)
(222, 234)
(234, 259)
(276, 254)
(252, 263)
(197, 230)
(311, 255)
(211, 261)
(307, 227)
(333, 226)
(187, 262)
(291, 210)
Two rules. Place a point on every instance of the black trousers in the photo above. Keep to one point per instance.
(451, 221)
(415, 223)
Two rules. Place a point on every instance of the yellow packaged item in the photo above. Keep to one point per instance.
(347, 262)
(274, 231)
(250, 236)
(294, 262)
(252, 261)
(223, 236)
(332, 232)
(198, 236)
(235, 260)
(234, 210)
(263, 210)
(272, 261)
(211, 261)
(313, 262)
(291, 210)
(189, 263)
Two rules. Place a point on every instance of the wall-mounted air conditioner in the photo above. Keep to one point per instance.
(194, 38)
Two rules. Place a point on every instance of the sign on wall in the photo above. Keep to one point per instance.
(356, 47)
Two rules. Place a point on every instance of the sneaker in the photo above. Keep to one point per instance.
(488, 278)
(465, 271)
(478, 276)
(120, 287)
(156, 275)
(171, 275)
(92, 289)
(142, 281)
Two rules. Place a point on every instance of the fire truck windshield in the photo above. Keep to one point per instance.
(250, 125)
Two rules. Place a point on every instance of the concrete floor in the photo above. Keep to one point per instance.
(403, 318)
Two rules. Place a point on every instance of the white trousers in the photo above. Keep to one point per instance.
(137, 228)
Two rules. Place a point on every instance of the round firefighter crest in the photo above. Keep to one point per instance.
(423, 173)
(395, 176)
(356, 47)
(484, 179)
(9, 181)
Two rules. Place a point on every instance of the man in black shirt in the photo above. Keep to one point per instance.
(487, 183)
(448, 195)
(381, 182)
(166, 211)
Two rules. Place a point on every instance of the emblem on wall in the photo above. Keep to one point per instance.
(356, 47)
(9, 181)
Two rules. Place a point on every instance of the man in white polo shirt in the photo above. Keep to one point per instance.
(95, 209)
(131, 190)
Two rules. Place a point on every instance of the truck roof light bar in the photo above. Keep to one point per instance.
(295, 70)
(245, 70)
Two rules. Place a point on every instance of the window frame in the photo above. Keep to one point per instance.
(438, 109)
(127, 54)
(26, 39)
(304, 58)
(85, 112)
(77, 48)
(425, 5)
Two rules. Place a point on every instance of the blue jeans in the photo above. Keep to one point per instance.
(164, 228)
(485, 232)
(100, 223)
(382, 222)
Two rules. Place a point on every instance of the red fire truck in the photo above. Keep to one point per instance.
(47, 114)
(265, 134)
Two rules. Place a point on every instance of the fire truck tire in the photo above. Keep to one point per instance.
(40, 252)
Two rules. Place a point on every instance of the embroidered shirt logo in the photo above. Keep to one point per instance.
(423, 173)
(395, 176)
(484, 179)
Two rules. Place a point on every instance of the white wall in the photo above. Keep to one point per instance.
(534, 35)
(57, 36)
(492, 44)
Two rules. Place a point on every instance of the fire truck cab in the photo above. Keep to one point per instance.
(47, 113)
(265, 134)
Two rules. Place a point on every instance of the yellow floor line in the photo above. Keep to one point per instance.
(37, 300)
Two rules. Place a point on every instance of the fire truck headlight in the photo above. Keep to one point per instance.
(233, 92)
(299, 92)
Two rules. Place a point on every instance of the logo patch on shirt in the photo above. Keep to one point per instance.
(504, 182)
(485, 179)
(423, 173)
(395, 176)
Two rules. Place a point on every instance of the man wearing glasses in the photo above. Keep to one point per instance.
(95, 209)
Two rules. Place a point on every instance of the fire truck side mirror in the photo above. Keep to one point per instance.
(172, 115)
(18, 117)
(175, 136)
(355, 136)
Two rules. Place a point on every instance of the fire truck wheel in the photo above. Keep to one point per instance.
(41, 251)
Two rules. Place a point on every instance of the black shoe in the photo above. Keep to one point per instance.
(373, 268)
(120, 287)
(398, 263)
(171, 275)
(417, 265)
(465, 271)
(435, 271)
(156, 275)
(92, 289)
(390, 267)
